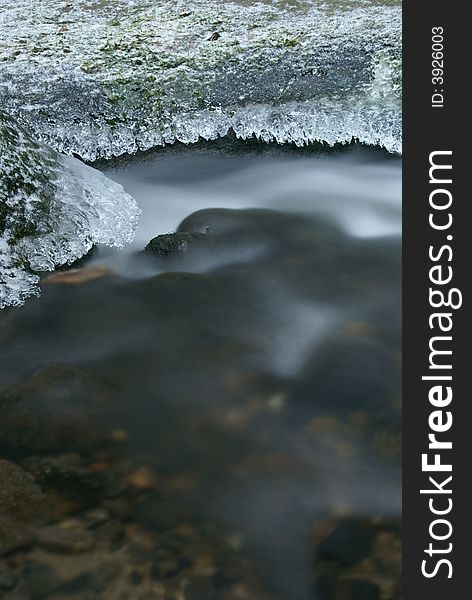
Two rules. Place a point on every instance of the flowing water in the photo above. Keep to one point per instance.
(238, 401)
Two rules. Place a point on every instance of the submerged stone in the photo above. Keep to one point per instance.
(20, 497)
(13, 536)
(172, 244)
(58, 407)
(41, 579)
(359, 560)
(61, 539)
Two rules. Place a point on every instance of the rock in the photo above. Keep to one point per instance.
(167, 567)
(44, 198)
(109, 571)
(110, 534)
(20, 497)
(65, 477)
(119, 507)
(171, 244)
(348, 544)
(95, 518)
(59, 407)
(13, 536)
(27, 169)
(77, 276)
(64, 539)
(95, 100)
(8, 578)
(156, 513)
(313, 257)
(40, 579)
(76, 586)
(200, 588)
(135, 577)
(360, 559)
(143, 479)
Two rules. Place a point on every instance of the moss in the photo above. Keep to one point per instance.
(27, 189)
(146, 66)
(172, 244)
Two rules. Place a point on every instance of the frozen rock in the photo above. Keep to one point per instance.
(108, 78)
(53, 209)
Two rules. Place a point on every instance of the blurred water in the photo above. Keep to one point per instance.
(359, 191)
(261, 367)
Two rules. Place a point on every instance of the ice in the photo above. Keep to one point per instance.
(53, 209)
(107, 78)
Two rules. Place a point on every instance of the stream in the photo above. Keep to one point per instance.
(232, 408)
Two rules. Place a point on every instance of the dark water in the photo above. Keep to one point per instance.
(237, 403)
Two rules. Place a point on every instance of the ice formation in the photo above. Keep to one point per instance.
(100, 79)
(53, 209)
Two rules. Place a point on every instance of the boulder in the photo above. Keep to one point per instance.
(59, 407)
(20, 497)
(172, 244)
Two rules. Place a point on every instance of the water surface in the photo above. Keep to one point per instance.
(240, 399)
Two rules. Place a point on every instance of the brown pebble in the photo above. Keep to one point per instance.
(64, 539)
(143, 479)
(77, 276)
(20, 497)
(13, 535)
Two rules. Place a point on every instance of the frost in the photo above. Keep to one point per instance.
(100, 79)
(53, 209)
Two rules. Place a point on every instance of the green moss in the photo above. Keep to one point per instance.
(27, 175)
(289, 42)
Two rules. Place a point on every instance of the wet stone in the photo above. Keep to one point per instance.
(20, 497)
(135, 577)
(8, 578)
(171, 244)
(140, 555)
(119, 507)
(350, 543)
(77, 584)
(110, 534)
(360, 559)
(200, 588)
(57, 407)
(155, 513)
(41, 580)
(168, 567)
(13, 535)
(95, 518)
(66, 476)
(61, 539)
(108, 573)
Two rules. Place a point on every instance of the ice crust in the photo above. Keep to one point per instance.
(53, 209)
(107, 77)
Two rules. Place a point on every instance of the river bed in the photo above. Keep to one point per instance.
(233, 408)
